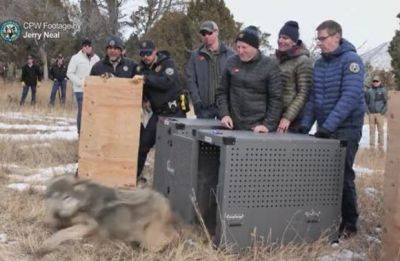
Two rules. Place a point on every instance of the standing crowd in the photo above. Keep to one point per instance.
(245, 89)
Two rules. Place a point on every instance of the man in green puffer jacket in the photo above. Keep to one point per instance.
(296, 71)
(376, 99)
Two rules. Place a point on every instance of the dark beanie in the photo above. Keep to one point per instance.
(249, 36)
(290, 29)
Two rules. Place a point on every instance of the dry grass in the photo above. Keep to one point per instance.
(21, 212)
(11, 94)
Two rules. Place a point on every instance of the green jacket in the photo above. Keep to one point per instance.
(296, 73)
(376, 100)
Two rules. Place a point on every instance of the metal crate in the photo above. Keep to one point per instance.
(279, 188)
(176, 161)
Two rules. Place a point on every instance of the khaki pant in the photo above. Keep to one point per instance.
(378, 120)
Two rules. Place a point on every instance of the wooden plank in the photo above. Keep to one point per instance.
(391, 237)
(109, 140)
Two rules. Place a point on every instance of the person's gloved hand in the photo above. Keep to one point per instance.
(107, 75)
(323, 133)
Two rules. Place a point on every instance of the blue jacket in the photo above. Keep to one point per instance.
(337, 100)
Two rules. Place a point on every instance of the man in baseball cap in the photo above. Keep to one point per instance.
(146, 48)
(204, 68)
(114, 63)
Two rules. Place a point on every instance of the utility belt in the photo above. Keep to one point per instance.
(172, 107)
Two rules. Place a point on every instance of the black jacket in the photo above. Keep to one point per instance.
(31, 75)
(251, 92)
(161, 80)
(57, 72)
(125, 68)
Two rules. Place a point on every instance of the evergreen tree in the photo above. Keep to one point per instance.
(170, 33)
(201, 10)
(394, 51)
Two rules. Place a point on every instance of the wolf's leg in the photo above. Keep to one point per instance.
(75, 232)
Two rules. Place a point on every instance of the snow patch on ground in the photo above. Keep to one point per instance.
(361, 170)
(25, 187)
(3, 238)
(57, 135)
(36, 145)
(342, 255)
(43, 175)
(33, 117)
(364, 142)
(55, 127)
(371, 192)
(39, 127)
(373, 240)
(13, 168)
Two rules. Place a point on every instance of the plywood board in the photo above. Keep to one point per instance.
(109, 140)
(391, 237)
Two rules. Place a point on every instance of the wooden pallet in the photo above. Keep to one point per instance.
(109, 140)
(391, 237)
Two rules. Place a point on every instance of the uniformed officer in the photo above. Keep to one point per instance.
(114, 63)
(162, 92)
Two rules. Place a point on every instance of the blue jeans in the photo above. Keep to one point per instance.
(62, 85)
(25, 91)
(79, 100)
(349, 198)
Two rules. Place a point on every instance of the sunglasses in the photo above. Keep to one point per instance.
(145, 53)
(375, 81)
(204, 33)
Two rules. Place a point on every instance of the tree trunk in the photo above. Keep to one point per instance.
(43, 57)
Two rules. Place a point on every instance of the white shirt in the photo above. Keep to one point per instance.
(78, 68)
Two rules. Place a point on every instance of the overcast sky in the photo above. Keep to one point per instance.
(372, 21)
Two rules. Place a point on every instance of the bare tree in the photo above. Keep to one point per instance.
(40, 11)
(113, 11)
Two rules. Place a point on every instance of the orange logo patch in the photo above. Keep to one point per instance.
(235, 70)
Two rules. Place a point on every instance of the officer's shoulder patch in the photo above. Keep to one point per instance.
(354, 67)
(169, 71)
(125, 68)
(158, 68)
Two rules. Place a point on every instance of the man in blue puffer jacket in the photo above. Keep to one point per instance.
(337, 103)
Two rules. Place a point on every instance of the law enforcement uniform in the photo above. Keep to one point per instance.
(164, 92)
(123, 68)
